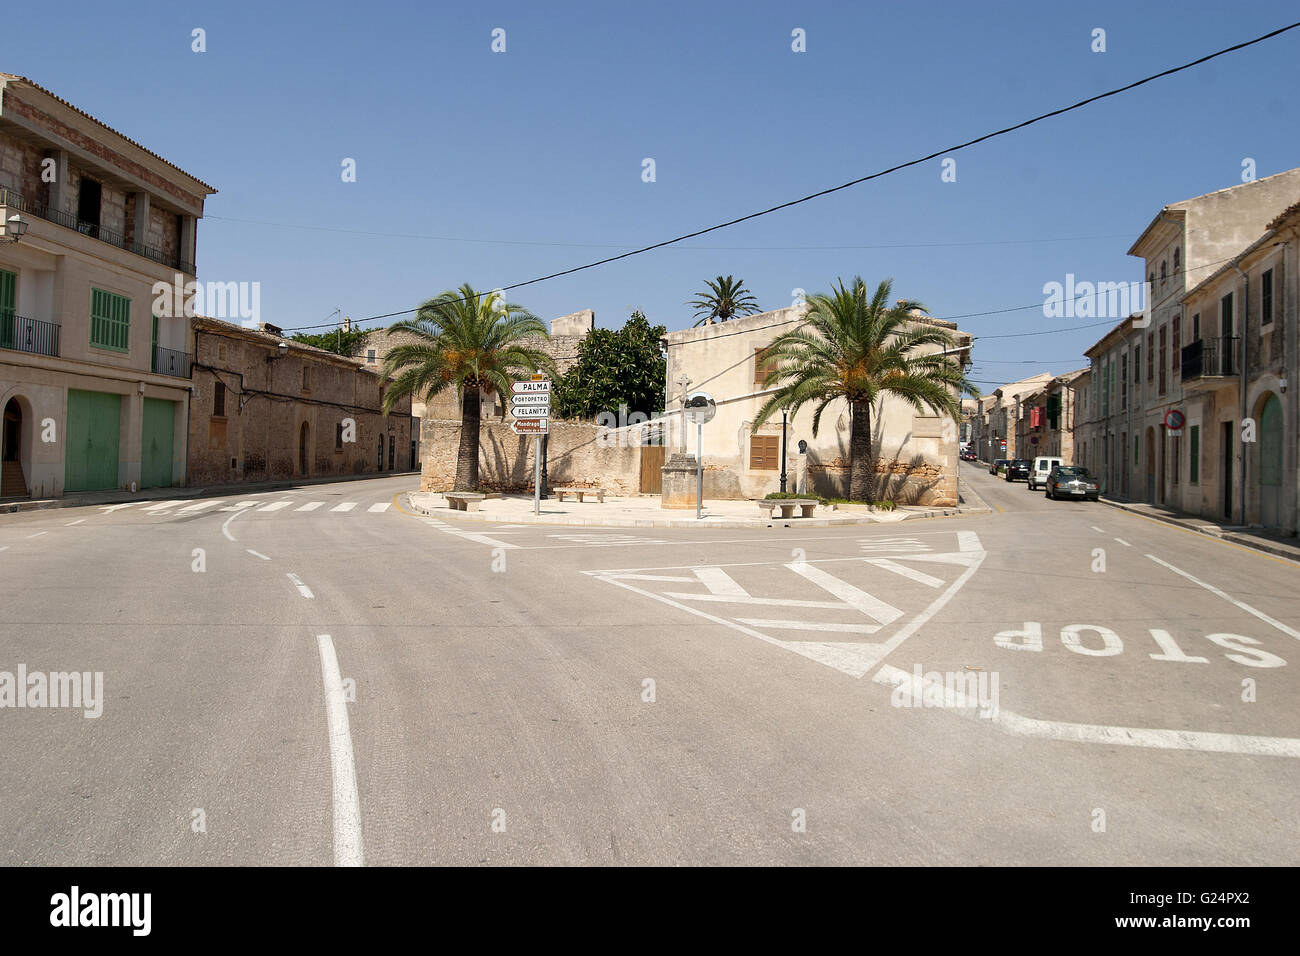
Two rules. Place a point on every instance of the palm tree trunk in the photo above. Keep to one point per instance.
(467, 454)
(862, 470)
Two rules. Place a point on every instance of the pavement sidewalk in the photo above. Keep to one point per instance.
(81, 499)
(1268, 540)
(643, 511)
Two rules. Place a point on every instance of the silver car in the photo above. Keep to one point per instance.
(1071, 481)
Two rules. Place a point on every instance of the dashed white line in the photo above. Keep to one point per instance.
(257, 554)
(345, 506)
(347, 802)
(225, 526)
(379, 507)
(200, 506)
(1230, 599)
(1123, 542)
(275, 506)
(1099, 530)
(164, 505)
(302, 588)
(310, 506)
(36, 535)
(71, 523)
(240, 506)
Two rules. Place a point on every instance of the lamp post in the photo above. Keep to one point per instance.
(15, 228)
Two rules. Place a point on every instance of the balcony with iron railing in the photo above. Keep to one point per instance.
(171, 362)
(18, 333)
(42, 210)
(1210, 363)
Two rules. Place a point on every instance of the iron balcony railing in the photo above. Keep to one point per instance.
(171, 362)
(1210, 358)
(21, 334)
(41, 209)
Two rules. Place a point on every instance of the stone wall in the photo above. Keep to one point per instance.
(506, 459)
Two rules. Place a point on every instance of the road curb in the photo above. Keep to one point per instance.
(667, 522)
(1209, 531)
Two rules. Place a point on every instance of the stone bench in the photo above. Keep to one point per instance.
(463, 500)
(787, 506)
(598, 492)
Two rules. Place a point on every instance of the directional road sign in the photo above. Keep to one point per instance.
(531, 411)
(529, 426)
(524, 388)
(532, 398)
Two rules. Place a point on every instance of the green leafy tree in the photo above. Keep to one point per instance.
(615, 368)
(467, 341)
(340, 341)
(725, 299)
(858, 347)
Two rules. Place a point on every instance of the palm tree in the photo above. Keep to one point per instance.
(860, 348)
(726, 298)
(466, 340)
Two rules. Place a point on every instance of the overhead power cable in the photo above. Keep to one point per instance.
(884, 172)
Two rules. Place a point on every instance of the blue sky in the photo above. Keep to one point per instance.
(537, 152)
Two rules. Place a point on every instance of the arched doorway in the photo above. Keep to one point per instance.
(1270, 463)
(304, 451)
(13, 484)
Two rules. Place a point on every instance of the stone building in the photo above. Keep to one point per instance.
(1046, 423)
(94, 385)
(266, 407)
(1005, 412)
(1215, 267)
(916, 454)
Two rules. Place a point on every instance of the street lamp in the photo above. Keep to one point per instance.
(15, 228)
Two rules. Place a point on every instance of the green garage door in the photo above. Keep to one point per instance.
(93, 422)
(156, 443)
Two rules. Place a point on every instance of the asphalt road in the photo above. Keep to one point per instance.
(537, 694)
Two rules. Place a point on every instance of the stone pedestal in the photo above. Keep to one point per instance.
(680, 482)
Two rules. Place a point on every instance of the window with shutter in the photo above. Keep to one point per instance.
(764, 452)
(110, 321)
(763, 368)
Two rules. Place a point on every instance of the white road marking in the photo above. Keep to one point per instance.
(968, 541)
(810, 625)
(164, 505)
(873, 607)
(379, 507)
(194, 508)
(242, 505)
(1095, 528)
(921, 577)
(657, 577)
(310, 506)
(109, 509)
(345, 506)
(275, 506)
(1021, 726)
(746, 599)
(36, 535)
(1285, 629)
(4, 547)
(302, 588)
(719, 581)
(257, 554)
(225, 525)
(347, 802)
(71, 523)
(1123, 542)
(469, 535)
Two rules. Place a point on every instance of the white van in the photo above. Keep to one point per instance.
(1042, 468)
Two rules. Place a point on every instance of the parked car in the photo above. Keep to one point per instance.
(998, 464)
(968, 456)
(1018, 468)
(1043, 466)
(1071, 481)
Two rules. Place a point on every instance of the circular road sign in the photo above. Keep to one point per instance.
(1174, 420)
(700, 408)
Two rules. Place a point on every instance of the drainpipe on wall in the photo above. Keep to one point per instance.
(1245, 326)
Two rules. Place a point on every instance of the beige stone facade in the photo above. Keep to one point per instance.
(261, 413)
(916, 454)
(92, 400)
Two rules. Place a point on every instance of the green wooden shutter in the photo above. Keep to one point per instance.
(110, 321)
(8, 295)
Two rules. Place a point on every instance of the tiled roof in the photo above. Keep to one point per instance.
(13, 77)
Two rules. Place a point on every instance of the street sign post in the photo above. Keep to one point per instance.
(530, 410)
(1174, 420)
(699, 408)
